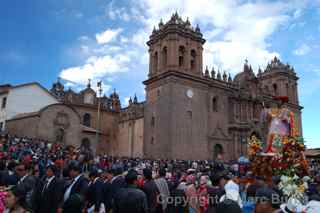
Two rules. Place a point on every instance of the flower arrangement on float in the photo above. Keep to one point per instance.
(294, 186)
(289, 162)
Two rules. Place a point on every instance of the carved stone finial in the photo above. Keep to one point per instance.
(213, 73)
(135, 99)
(130, 101)
(197, 29)
(225, 76)
(188, 22)
(206, 73)
(89, 83)
(229, 79)
(219, 75)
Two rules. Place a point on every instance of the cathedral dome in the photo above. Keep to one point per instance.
(245, 75)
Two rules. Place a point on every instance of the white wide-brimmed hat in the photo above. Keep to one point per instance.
(292, 205)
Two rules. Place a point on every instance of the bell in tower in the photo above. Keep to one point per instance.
(175, 46)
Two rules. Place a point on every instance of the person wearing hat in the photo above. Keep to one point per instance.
(232, 193)
(50, 194)
(95, 192)
(293, 205)
(130, 199)
(266, 201)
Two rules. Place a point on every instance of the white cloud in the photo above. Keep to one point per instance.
(126, 101)
(302, 50)
(234, 30)
(117, 13)
(95, 68)
(108, 35)
(297, 14)
(83, 38)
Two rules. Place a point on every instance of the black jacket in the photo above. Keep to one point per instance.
(76, 201)
(95, 193)
(49, 198)
(28, 186)
(151, 190)
(130, 199)
(107, 195)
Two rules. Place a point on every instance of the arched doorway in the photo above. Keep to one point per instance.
(60, 135)
(85, 144)
(217, 151)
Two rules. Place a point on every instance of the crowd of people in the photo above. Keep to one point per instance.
(39, 177)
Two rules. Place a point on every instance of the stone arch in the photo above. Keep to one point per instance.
(217, 150)
(86, 144)
(215, 104)
(275, 89)
(193, 59)
(181, 55)
(164, 56)
(87, 119)
(60, 135)
(155, 61)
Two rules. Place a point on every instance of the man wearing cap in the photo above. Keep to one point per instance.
(267, 201)
(130, 199)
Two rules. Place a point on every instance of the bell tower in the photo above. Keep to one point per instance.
(173, 117)
(175, 45)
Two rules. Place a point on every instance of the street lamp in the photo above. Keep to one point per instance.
(99, 85)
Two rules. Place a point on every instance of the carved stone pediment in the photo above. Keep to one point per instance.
(62, 120)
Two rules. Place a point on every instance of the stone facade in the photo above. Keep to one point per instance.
(195, 114)
(189, 113)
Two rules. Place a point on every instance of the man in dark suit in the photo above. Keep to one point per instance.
(151, 190)
(74, 194)
(130, 199)
(95, 191)
(107, 189)
(26, 183)
(50, 194)
(117, 181)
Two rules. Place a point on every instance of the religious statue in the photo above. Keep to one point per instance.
(280, 122)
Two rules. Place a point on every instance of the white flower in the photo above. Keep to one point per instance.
(306, 178)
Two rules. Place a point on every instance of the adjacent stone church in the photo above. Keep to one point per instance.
(188, 113)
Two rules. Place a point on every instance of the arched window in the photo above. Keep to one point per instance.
(193, 59)
(87, 120)
(275, 89)
(215, 104)
(164, 56)
(153, 121)
(155, 61)
(181, 55)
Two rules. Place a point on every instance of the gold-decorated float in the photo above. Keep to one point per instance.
(283, 153)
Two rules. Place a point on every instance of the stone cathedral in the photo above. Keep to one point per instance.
(189, 113)
(194, 114)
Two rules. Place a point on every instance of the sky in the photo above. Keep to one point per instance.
(106, 40)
